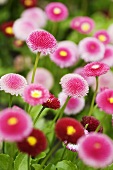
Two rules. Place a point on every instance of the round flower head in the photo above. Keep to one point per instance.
(37, 15)
(103, 36)
(108, 55)
(28, 3)
(74, 106)
(104, 100)
(110, 32)
(35, 94)
(95, 69)
(18, 43)
(69, 130)
(56, 11)
(6, 28)
(33, 144)
(92, 123)
(15, 124)
(91, 49)
(13, 83)
(41, 41)
(92, 150)
(74, 85)
(22, 27)
(42, 76)
(65, 54)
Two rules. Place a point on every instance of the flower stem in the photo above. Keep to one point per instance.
(63, 153)
(10, 100)
(39, 115)
(3, 147)
(93, 99)
(29, 168)
(35, 66)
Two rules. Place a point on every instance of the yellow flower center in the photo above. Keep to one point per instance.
(63, 53)
(36, 93)
(95, 66)
(71, 130)
(12, 121)
(102, 38)
(9, 30)
(57, 10)
(19, 42)
(28, 2)
(31, 140)
(111, 100)
(97, 145)
(85, 26)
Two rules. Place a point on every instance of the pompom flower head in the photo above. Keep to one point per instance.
(91, 49)
(35, 94)
(104, 100)
(28, 3)
(92, 150)
(33, 144)
(65, 55)
(69, 130)
(15, 124)
(74, 85)
(7, 28)
(41, 41)
(13, 83)
(103, 36)
(95, 69)
(56, 11)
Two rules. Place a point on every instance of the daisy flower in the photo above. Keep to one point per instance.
(65, 55)
(35, 94)
(13, 83)
(103, 36)
(15, 124)
(7, 28)
(56, 11)
(41, 41)
(110, 32)
(29, 3)
(92, 150)
(91, 49)
(74, 85)
(33, 144)
(69, 130)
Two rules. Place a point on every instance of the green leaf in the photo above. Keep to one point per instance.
(6, 162)
(40, 156)
(21, 162)
(50, 167)
(66, 165)
(37, 167)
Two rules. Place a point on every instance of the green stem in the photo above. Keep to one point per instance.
(39, 115)
(3, 147)
(49, 154)
(35, 66)
(93, 99)
(10, 100)
(98, 127)
(63, 153)
(28, 161)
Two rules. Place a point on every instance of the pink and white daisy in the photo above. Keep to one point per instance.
(13, 83)
(110, 32)
(74, 85)
(75, 23)
(91, 49)
(42, 76)
(15, 124)
(108, 55)
(95, 69)
(56, 11)
(104, 100)
(41, 41)
(92, 150)
(65, 55)
(103, 36)
(74, 106)
(36, 15)
(22, 27)
(35, 94)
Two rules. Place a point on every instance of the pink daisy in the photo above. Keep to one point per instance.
(42, 76)
(65, 55)
(41, 41)
(74, 85)
(13, 83)
(92, 150)
(35, 94)
(103, 36)
(74, 106)
(108, 55)
(15, 124)
(56, 11)
(91, 49)
(22, 27)
(36, 15)
(75, 23)
(95, 69)
(104, 100)
(110, 32)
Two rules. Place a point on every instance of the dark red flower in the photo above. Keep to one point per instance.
(18, 43)
(29, 3)
(34, 144)
(69, 130)
(6, 28)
